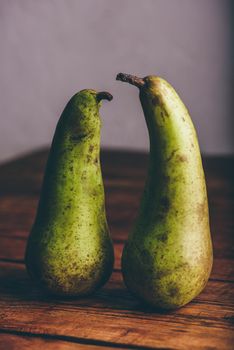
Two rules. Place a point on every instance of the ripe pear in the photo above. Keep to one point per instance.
(69, 250)
(168, 257)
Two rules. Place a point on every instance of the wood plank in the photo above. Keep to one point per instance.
(17, 215)
(13, 274)
(13, 249)
(10, 341)
(114, 316)
(116, 164)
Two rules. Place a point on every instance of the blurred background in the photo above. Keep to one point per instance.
(50, 49)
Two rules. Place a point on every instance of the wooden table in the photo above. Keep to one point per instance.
(112, 318)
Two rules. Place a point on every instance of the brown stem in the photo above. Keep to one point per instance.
(131, 79)
(103, 95)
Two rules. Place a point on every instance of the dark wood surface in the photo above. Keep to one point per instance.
(112, 318)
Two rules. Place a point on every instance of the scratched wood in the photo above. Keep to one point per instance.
(111, 318)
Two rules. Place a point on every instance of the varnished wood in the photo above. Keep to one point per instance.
(12, 249)
(112, 315)
(9, 341)
(111, 318)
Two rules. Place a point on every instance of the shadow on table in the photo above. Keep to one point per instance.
(16, 286)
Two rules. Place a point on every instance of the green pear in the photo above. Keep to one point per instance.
(69, 250)
(168, 257)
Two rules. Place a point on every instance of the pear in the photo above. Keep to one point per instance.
(69, 250)
(168, 257)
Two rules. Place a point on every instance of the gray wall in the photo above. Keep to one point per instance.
(51, 49)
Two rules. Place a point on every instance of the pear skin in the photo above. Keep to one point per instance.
(69, 250)
(168, 257)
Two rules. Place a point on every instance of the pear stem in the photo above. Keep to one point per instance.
(131, 79)
(104, 95)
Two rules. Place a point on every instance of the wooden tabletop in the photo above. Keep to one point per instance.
(112, 318)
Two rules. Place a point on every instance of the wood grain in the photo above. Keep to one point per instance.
(30, 341)
(112, 318)
(12, 249)
(112, 315)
